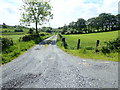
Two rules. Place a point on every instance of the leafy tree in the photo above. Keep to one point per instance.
(18, 29)
(65, 28)
(80, 24)
(112, 22)
(107, 21)
(118, 21)
(30, 31)
(37, 12)
(4, 25)
(104, 22)
(72, 25)
(92, 23)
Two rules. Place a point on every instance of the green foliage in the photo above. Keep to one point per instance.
(30, 31)
(18, 30)
(112, 46)
(42, 34)
(80, 25)
(14, 30)
(88, 43)
(37, 12)
(28, 37)
(103, 23)
(18, 47)
(6, 42)
(4, 25)
(33, 37)
(15, 50)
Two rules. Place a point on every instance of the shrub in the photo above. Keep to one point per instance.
(105, 50)
(6, 42)
(31, 37)
(112, 46)
(27, 37)
(30, 31)
(5, 31)
(4, 25)
(18, 30)
(42, 34)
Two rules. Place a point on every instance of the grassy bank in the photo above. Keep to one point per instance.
(87, 45)
(18, 48)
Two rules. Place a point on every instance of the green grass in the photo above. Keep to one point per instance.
(14, 37)
(11, 29)
(18, 48)
(87, 46)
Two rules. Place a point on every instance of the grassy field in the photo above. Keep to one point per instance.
(14, 37)
(18, 48)
(87, 46)
(11, 29)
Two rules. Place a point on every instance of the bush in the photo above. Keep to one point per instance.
(4, 25)
(18, 30)
(42, 34)
(30, 31)
(28, 37)
(31, 37)
(105, 50)
(6, 42)
(112, 46)
(5, 31)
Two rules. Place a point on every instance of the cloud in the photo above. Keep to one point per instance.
(65, 11)
(110, 6)
(9, 12)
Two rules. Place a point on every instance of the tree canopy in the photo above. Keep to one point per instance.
(36, 11)
(102, 23)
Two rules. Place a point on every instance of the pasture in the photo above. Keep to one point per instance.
(88, 44)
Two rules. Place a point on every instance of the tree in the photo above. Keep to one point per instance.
(81, 24)
(91, 23)
(37, 12)
(118, 21)
(72, 25)
(65, 28)
(4, 25)
(30, 31)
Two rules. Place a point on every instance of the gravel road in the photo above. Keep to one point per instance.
(46, 66)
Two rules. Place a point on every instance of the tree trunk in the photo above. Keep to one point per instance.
(37, 29)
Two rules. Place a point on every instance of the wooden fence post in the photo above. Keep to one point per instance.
(78, 44)
(63, 39)
(60, 36)
(64, 43)
(97, 44)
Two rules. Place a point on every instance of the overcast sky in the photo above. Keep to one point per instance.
(65, 11)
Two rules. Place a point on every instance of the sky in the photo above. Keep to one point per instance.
(64, 11)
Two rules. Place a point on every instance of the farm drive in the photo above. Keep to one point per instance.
(46, 66)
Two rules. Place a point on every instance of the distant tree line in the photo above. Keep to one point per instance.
(104, 22)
